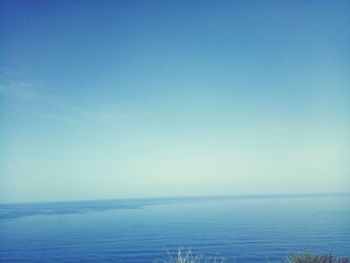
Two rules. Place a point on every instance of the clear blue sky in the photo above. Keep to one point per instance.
(119, 99)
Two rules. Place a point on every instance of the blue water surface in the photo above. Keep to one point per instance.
(241, 229)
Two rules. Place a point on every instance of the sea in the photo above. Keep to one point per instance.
(238, 228)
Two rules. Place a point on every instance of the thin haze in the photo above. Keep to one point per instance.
(120, 99)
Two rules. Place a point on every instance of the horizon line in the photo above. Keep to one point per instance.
(184, 197)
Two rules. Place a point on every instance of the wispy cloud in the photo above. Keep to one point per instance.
(13, 86)
(136, 109)
(18, 89)
(98, 114)
(52, 116)
(76, 113)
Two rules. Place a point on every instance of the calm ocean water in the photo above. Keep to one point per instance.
(243, 229)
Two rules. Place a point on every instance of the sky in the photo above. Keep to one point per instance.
(132, 99)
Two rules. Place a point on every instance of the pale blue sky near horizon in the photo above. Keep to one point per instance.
(122, 99)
